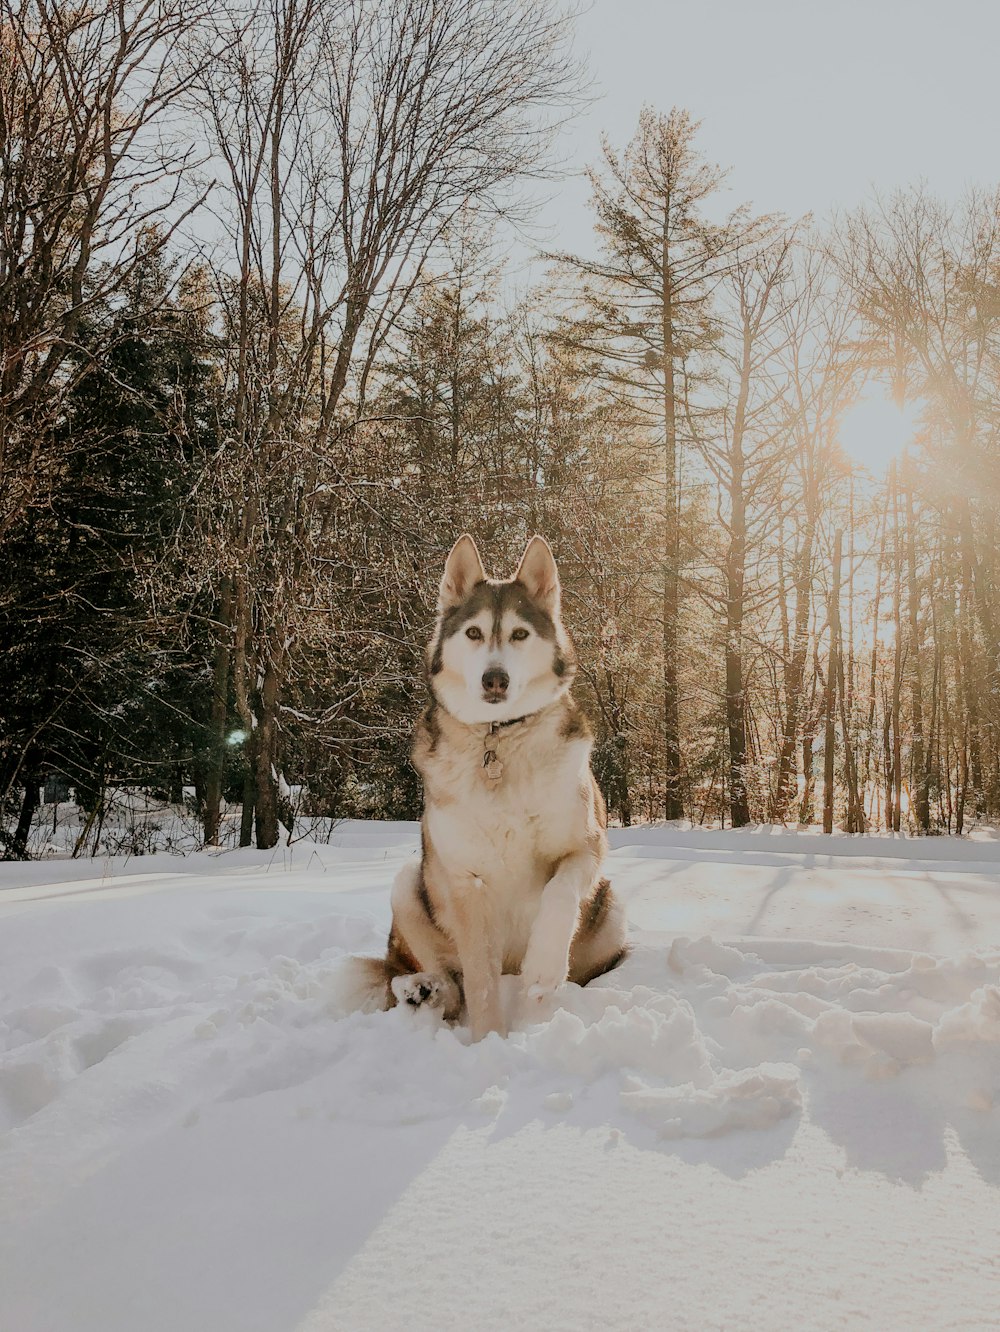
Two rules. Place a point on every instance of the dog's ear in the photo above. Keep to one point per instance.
(537, 571)
(463, 569)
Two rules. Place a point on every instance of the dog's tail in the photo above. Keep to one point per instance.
(361, 984)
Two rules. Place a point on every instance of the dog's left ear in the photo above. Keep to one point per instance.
(537, 571)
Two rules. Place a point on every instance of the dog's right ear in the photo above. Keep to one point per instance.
(463, 569)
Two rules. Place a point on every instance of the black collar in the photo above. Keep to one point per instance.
(514, 721)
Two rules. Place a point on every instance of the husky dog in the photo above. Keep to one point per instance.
(513, 830)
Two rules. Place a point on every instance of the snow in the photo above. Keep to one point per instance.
(782, 1111)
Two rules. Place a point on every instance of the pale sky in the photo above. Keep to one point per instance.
(812, 104)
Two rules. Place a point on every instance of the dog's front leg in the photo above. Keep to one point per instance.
(546, 959)
(480, 952)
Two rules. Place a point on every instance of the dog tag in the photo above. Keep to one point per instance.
(493, 766)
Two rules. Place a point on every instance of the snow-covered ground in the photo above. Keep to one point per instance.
(783, 1112)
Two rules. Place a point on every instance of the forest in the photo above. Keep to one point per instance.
(264, 355)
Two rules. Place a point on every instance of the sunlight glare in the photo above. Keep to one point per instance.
(875, 430)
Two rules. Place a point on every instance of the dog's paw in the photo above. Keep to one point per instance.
(421, 990)
(539, 985)
(540, 992)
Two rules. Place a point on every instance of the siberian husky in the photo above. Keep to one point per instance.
(513, 831)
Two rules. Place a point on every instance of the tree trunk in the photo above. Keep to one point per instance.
(897, 668)
(736, 714)
(247, 812)
(673, 802)
(795, 671)
(219, 713)
(855, 803)
(266, 814)
(870, 764)
(739, 806)
(978, 582)
(967, 685)
(18, 847)
(832, 678)
(919, 764)
(806, 811)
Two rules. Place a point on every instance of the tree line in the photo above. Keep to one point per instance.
(258, 370)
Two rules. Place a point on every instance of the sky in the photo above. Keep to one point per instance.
(811, 104)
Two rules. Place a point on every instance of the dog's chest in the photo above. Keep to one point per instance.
(507, 810)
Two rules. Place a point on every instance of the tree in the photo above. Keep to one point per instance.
(740, 442)
(926, 280)
(821, 365)
(92, 636)
(352, 135)
(83, 176)
(648, 317)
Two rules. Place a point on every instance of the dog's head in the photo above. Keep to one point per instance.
(499, 649)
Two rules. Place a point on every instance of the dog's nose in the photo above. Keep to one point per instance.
(495, 680)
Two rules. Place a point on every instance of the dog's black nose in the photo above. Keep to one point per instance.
(495, 680)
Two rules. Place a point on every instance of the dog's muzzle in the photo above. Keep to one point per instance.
(496, 682)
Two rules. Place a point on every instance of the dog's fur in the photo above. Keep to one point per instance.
(513, 829)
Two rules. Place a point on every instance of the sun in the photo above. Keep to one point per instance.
(875, 430)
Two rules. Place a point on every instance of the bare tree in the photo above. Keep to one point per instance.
(87, 190)
(926, 279)
(821, 363)
(91, 192)
(648, 303)
(352, 134)
(741, 443)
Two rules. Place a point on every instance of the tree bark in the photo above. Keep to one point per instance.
(736, 714)
(897, 668)
(832, 679)
(919, 764)
(673, 799)
(219, 713)
(18, 847)
(795, 671)
(266, 813)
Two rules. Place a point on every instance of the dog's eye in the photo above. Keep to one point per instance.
(475, 633)
(519, 635)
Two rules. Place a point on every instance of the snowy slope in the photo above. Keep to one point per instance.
(782, 1112)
